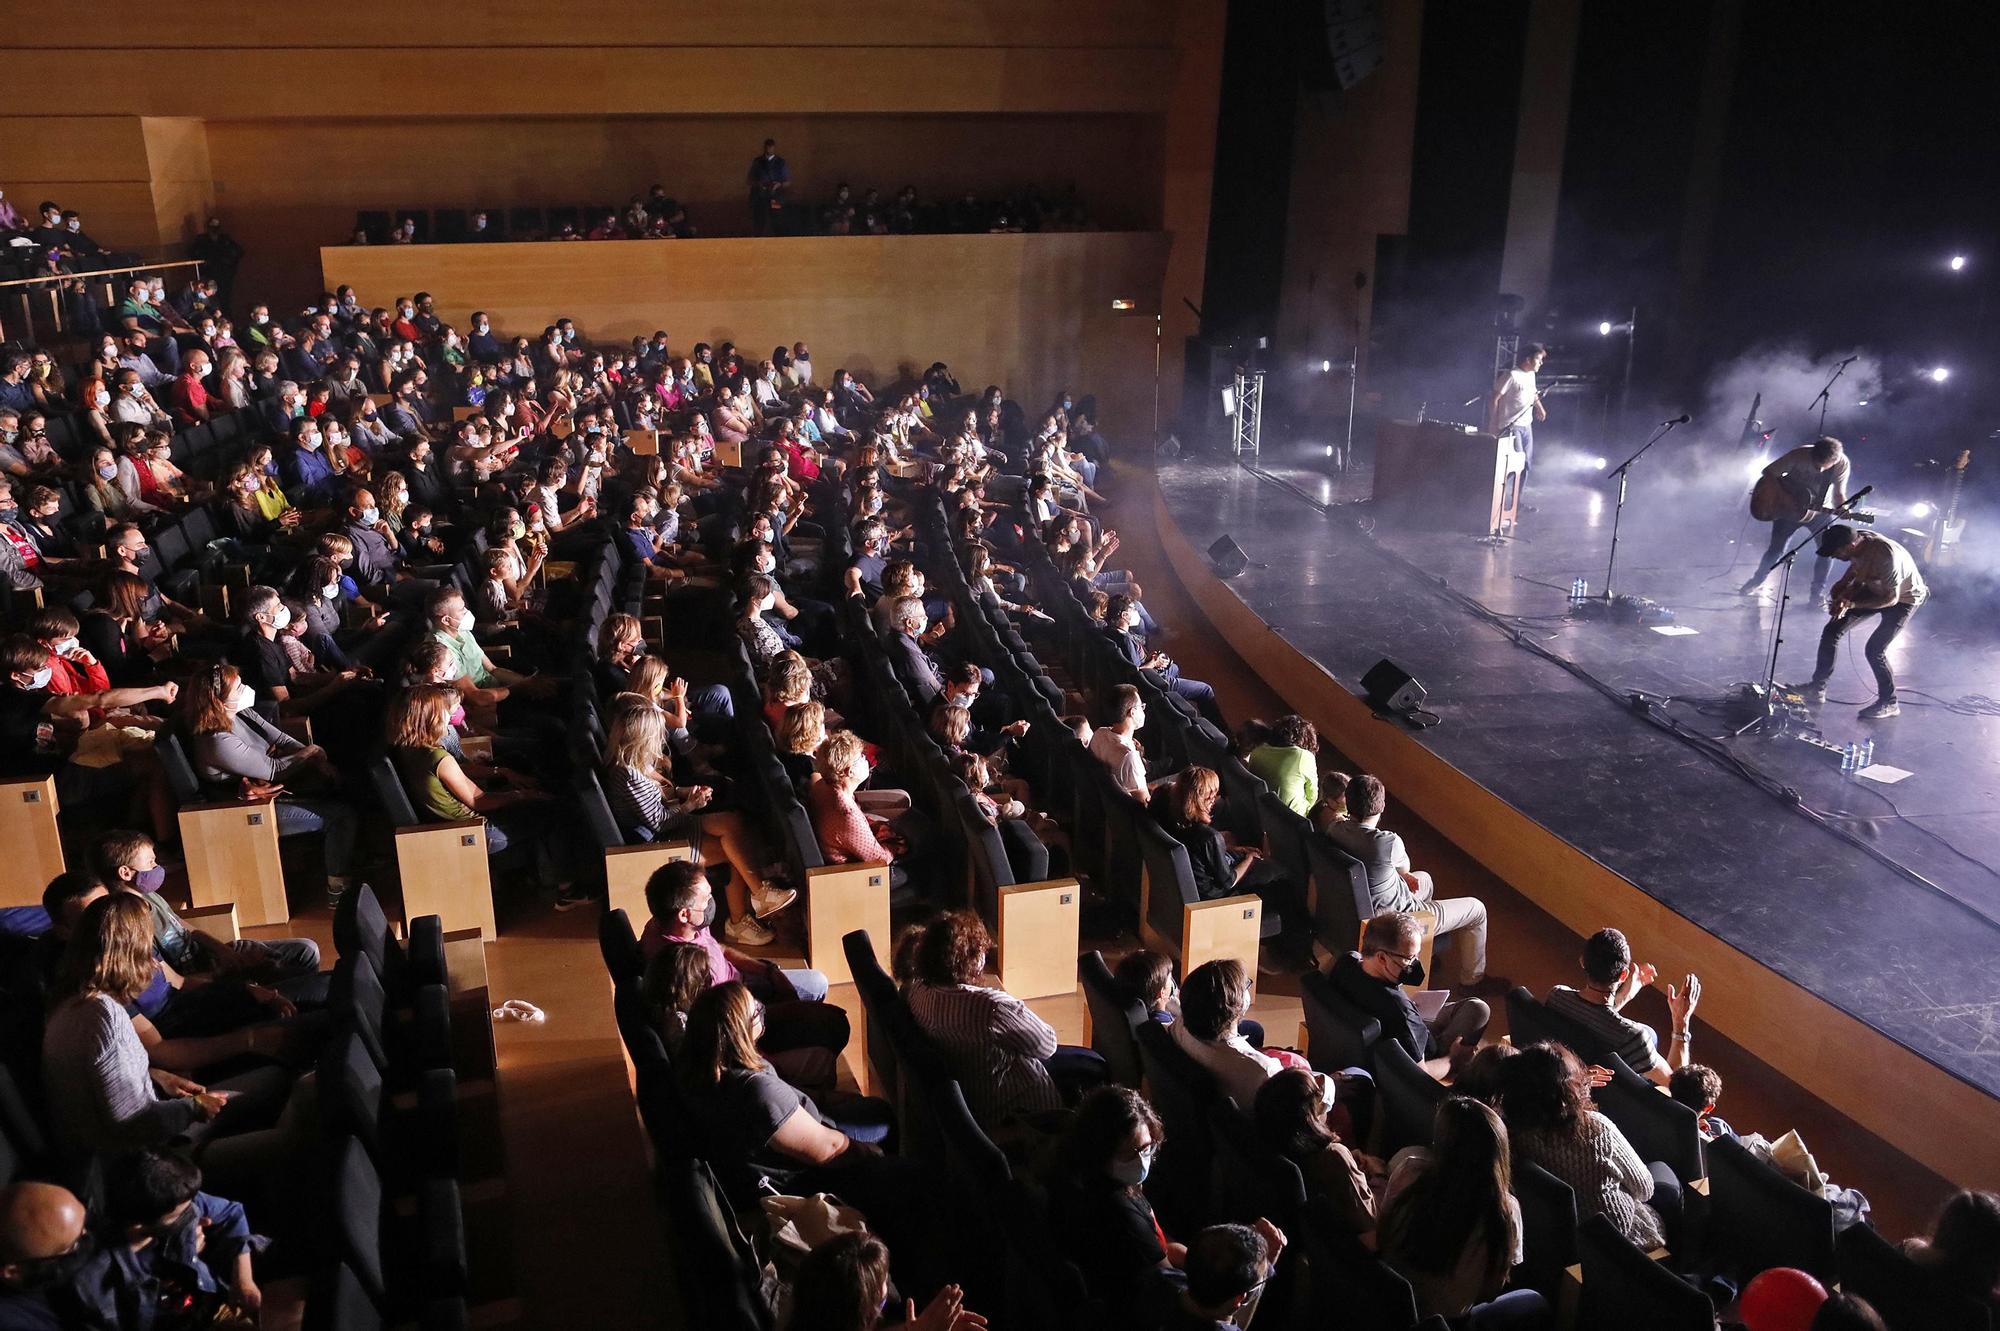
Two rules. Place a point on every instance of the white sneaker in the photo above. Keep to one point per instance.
(768, 901)
(748, 932)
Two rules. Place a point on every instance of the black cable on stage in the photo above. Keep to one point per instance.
(1641, 705)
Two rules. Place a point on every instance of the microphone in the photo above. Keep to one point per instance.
(1681, 419)
(1851, 359)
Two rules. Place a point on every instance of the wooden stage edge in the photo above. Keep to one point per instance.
(1923, 1110)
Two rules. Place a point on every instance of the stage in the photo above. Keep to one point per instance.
(1603, 816)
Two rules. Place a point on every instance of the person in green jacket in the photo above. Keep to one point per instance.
(1288, 763)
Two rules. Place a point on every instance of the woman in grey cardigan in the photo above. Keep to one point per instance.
(233, 747)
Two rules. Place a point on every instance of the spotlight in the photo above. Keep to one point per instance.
(1958, 263)
(1326, 367)
(1604, 328)
(1862, 403)
(1329, 450)
(1920, 509)
(1756, 468)
(1599, 464)
(1940, 374)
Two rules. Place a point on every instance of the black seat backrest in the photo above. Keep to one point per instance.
(619, 946)
(1114, 1022)
(389, 790)
(356, 1207)
(597, 816)
(1247, 1179)
(720, 1275)
(1548, 1228)
(1908, 1296)
(1759, 1219)
(1285, 838)
(879, 1001)
(1351, 1287)
(179, 772)
(1169, 880)
(337, 1301)
(1659, 1127)
(1181, 1091)
(1338, 1034)
(1542, 1022)
(1625, 1288)
(1341, 903)
(1409, 1096)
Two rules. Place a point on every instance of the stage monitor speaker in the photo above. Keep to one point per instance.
(1228, 557)
(1392, 688)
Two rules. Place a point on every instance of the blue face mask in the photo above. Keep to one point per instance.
(149, 880)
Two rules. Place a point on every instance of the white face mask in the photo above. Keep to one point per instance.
(281, 617)
(241, 698)
(465, 621)
(1133, 1172)
(331, 591)
(40, 679)
(66, 646)
(370, 516)
(103, 398)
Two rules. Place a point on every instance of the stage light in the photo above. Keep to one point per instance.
(1940, 374)
(1958, 263)
(1123, 304)
(1599, 464)
(1329, 450)
(1604, 328)
(1862, 403)
(1920, 509)
(1756, 468)
(1326, 367)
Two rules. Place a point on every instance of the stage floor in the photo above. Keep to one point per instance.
(1916, 962)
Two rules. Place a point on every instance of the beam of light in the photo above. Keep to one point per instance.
(1604, 328)
(1756, 468)
(1326, 367)
(1920, 509)
(1600, 464)
(1958, 263)
(1940, 374)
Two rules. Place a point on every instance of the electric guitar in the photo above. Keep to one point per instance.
(1948, 526)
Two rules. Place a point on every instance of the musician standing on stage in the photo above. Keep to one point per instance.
(1881, 579)
(1514, 405)
(1815, 476)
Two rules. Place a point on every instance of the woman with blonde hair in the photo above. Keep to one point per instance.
(638, 782)
(847, 834)
(1186, 810)
(440, 791)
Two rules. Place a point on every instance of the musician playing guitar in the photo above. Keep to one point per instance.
(1799, 489)
(1881, 579)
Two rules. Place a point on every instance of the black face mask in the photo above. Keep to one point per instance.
(58, 1271)
(10, 513)
(1413, 974)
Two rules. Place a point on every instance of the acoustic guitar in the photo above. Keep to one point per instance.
(1773, 499)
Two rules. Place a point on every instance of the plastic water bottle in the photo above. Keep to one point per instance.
(1850, 756)
(1867, 755)
(1575, 590)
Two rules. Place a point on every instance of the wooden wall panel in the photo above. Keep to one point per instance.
(1030, 312)
(40, 147)
(182, 181)
(287, 83)
(283, 182)
(97, 24)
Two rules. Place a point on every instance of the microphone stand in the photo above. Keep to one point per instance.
(1623, 473)
(1767, 715)
(1826, 394)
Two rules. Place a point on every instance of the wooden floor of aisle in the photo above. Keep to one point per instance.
(588, 1247)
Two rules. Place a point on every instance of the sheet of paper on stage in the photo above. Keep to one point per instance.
(1673, 630)
(1884, 773)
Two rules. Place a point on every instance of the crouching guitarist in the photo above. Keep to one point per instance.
(1801, 488)
(1881, 579)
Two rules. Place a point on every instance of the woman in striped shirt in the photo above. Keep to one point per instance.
(1006, 1058)
(638, 783)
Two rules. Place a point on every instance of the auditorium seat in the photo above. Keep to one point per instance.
(1181, 1091)
(1548, 1230)
(1176, 919)
(1349, 1286)
(1658, 1126)
(1247, 1179)
(1408, 1095)
(1114, 1023)
(230, 846)
(1910, 1297)
(1758, 1218)
(1626, 1288)
(718, 1271)
(442, 867)
(1338, 1034)
(627, 865)
(880, 1004)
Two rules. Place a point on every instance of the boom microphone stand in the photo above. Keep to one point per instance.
(1623, 473)
(1826, 394)
(1769, 717)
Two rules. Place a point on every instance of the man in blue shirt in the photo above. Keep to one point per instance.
(14, 390)
(309, 478)
(165, 1238)
(770, 178)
